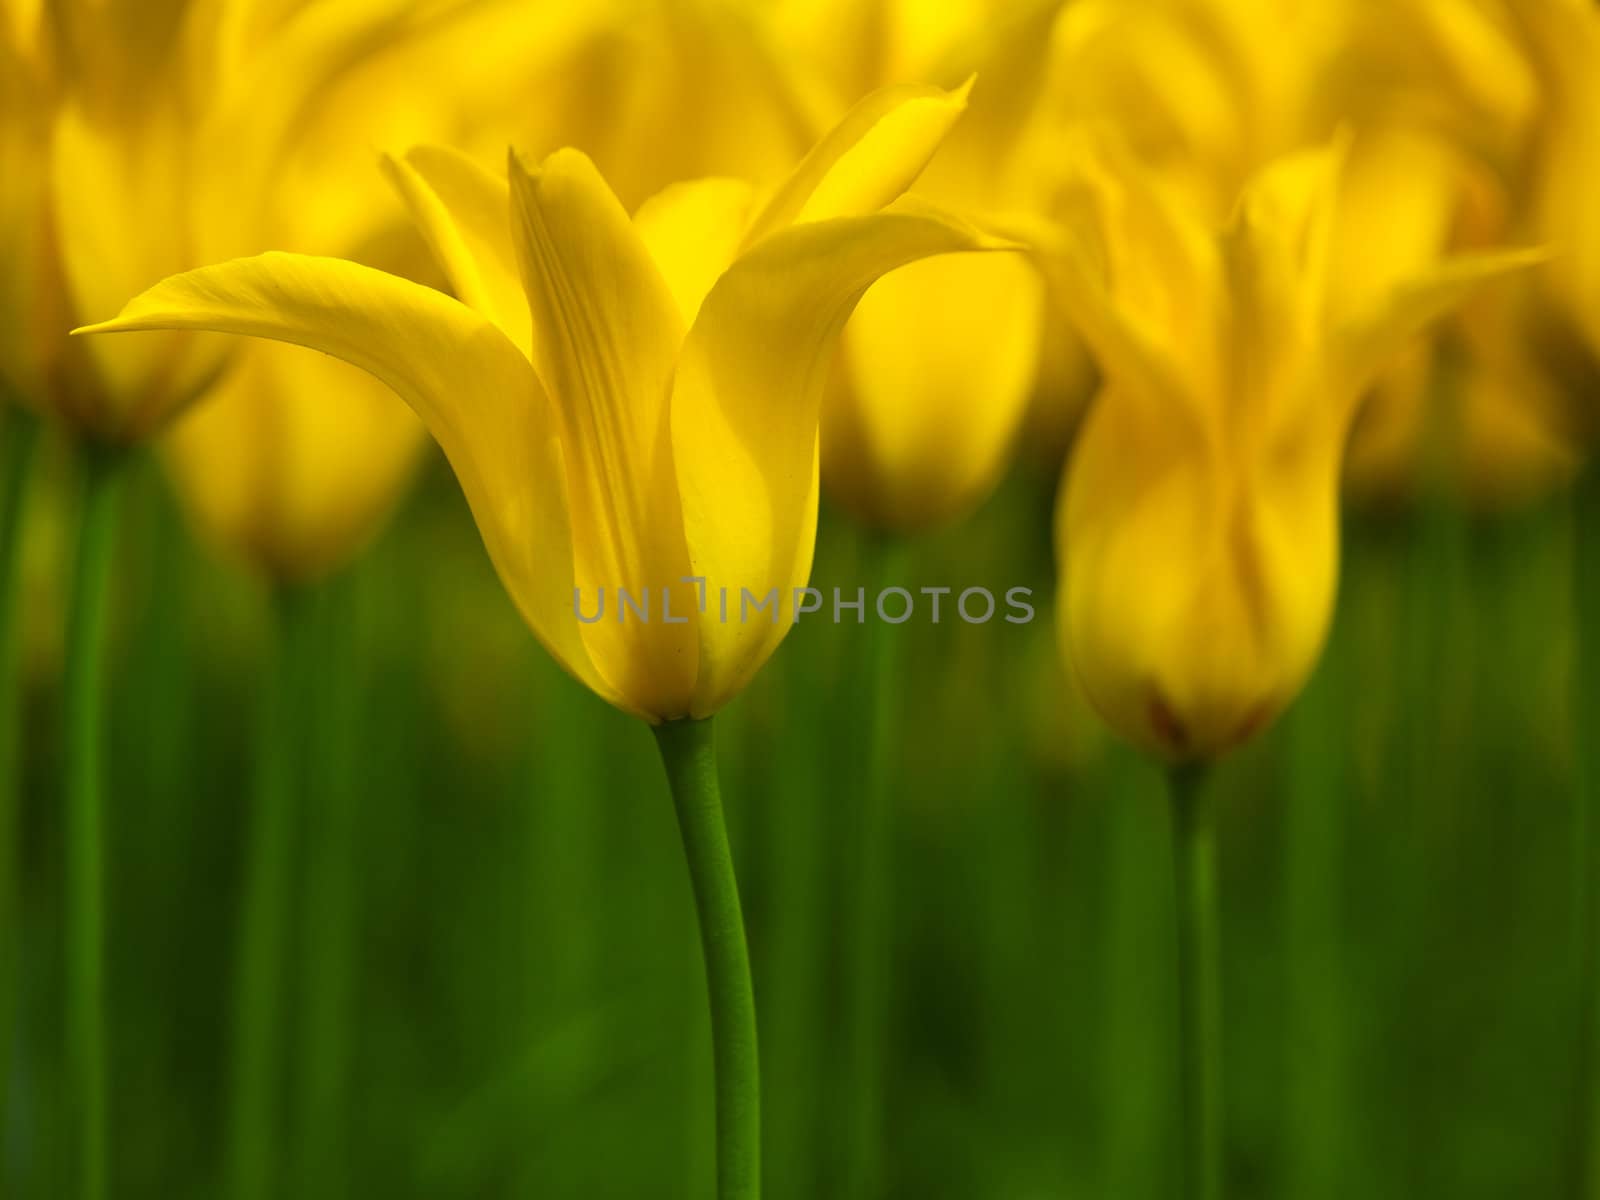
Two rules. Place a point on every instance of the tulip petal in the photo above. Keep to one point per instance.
(744, 416)
(693, 231)
(606, 335)
(869, 158)
(1364, 346)
(471, 387)
(1276, 252)
(464, 213)
(1140, 278)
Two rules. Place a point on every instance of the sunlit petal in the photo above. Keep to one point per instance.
(606, 334)
(472, 388)
(745, 408)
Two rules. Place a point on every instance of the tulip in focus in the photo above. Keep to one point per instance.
(655, 421)
(1198, 525)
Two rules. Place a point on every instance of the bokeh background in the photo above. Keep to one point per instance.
(520, 1010)
(494, 986)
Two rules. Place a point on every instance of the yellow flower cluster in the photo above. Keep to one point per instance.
(860, 246)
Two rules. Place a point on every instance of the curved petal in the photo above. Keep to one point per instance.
(606, 335)
(744, 416)
(464, 213)
(1368, 343)
(472, 388)
(868, 159)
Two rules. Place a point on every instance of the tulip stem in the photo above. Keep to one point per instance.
(1199, 984)
(253, 1142)
(83, 817)
(1586, 615)
(688, 752)
(17, 442)
(869, 929)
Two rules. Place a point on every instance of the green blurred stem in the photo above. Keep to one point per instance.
(17, 442)
(1199, 983)
(328, 903)
(1586, 603)
(869, 924)
(688, 751)
(1316, 992)
(254, 1143)
(84, 818)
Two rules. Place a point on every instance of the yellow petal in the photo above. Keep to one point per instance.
(606, 335)
(865, 161)
(693, 231)
(1141, 278)
(472, 388)
(1365, 344)
(294, 459)
(936, 368)
(464, 213)
(1277, 254)
(744, 416)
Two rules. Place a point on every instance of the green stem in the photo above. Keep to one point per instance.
(327, 904)
(870, 922)
(688, 752)
(1199, 984)
(253, 1141)
(84, 819)
(1316, 992)
(17, 442)
(1586, 835)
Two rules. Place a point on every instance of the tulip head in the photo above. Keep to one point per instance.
(932, 382)
(630, 405)
(279, 474)
(1197, 531)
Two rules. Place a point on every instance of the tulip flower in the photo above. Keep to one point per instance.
(705, 315)
(631, 408)
(1197, 530)
(1510, 88)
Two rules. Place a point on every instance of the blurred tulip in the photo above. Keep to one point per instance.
(1564, 42)
(702, 325)
(1489, 110)
(292, 462)
(1197, 530)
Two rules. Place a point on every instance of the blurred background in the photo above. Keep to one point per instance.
(493, 985)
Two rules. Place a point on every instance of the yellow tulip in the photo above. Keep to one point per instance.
(1508, 94)
(1472, 412)
(293, 461)
(639, 411)
(1197, 529)
(1204, 92)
